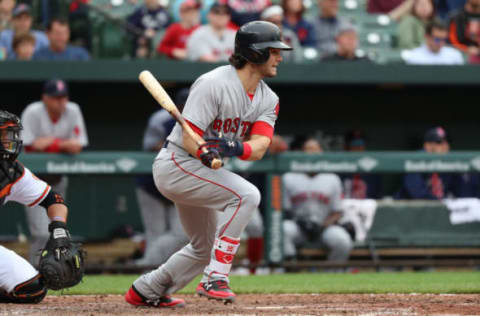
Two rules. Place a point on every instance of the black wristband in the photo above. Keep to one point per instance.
(56, 224)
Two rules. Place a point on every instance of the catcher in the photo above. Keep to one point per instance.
(61, 263)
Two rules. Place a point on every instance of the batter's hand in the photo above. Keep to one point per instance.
(226, 147)
(208, 156)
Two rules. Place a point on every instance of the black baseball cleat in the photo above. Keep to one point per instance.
(134, 297)
(218, 290)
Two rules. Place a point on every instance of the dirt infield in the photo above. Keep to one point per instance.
(282, 304)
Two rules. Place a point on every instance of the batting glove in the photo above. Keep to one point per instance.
(226, 147)
(207, 157)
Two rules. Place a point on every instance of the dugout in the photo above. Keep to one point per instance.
(394, 104)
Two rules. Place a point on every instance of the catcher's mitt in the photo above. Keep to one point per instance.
(61, 262)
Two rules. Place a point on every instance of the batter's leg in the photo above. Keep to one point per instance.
(215, 282)
(181, 268)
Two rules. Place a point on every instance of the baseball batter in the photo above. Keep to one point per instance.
(20, 282)
(234, 101)
(315, 204)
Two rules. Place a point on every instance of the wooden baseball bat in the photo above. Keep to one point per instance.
(162, 97)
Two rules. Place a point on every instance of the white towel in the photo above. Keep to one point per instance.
(360, 213)
(464, 210)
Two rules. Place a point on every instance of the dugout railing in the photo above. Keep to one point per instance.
(406, 230)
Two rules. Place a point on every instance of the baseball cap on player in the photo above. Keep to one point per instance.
(55, 88)
(253, 40)
(435, 135)
(21, 9)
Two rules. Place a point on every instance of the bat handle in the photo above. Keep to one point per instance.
(216, 163)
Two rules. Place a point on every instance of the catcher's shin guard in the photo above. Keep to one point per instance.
(29, 292)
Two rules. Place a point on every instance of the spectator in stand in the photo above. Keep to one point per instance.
(6, 9)
(150, 18)
(294, 20)
(326, 27)
(22, 24)
(436, 186)
(464, 30)
(444, 8)
(23, 46)
(274, 14)
(80, 25)
(244, 11)
(360, 185)
(434, 51)
(395, 9)
(174, 42)
(313, 206)
(213, 42)
(411, 28)
(52, 125)
(347, 42)
(382, 6)
(58, 32)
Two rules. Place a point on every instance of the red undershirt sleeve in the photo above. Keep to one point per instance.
(195, 128)
(262, 128)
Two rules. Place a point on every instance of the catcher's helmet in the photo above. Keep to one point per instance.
(11, 144)
(254, 39)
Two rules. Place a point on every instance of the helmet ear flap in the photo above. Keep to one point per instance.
(258, 56)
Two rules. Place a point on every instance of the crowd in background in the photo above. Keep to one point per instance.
(427, 31)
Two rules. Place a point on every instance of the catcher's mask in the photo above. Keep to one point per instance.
(10, 128)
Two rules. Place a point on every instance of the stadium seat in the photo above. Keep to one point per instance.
(112, 41)
(116, 8)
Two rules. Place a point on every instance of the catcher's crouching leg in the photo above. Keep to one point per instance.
(29, 292)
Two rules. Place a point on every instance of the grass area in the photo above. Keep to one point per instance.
(386, 282)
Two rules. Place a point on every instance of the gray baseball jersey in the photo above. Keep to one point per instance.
(312, 197)
(205, 41)
(218, 103)
(36, 123)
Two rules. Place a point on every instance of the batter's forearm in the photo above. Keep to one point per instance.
(190, 145)
(259, 145)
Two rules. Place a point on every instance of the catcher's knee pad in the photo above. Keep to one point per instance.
(30, 292)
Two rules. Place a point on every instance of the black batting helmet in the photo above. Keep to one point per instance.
(253, 40)
(11, 144)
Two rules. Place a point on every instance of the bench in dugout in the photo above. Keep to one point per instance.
(410, 234)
